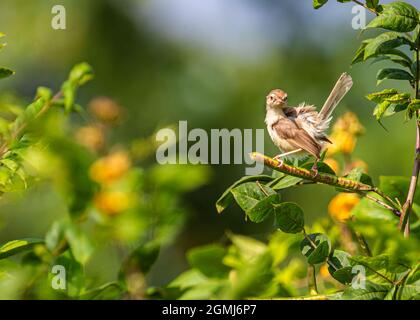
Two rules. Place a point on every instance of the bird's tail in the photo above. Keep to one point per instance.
(340, 89)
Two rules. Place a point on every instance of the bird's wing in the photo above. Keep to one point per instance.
(290, 130)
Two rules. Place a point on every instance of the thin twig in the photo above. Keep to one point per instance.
(366, 7)
(404, 224)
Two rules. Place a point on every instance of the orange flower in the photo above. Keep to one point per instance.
(110, 168)
(341, 205)
(105, 109)
(91, 137)
(333, 164)
(350, 123)
(323, 271)
(112, 202)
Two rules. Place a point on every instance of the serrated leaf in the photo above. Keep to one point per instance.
(289, 217)
(16, 246)
(399, 98)
(396, 16)
(380, 109)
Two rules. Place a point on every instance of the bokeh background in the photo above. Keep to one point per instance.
(210, 62)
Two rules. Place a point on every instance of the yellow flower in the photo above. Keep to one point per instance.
(91, 137)
(333, 164)
(343, 142)
(112, 202)
(110, 168)
(350, 123)
(105, 109)
(341, 205)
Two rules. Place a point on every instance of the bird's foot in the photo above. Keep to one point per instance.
(279, 158)
(314, 170)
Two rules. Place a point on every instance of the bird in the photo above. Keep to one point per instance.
(300, 132)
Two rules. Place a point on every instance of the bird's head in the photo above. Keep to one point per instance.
(276, 99)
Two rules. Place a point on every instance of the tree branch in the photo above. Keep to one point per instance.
(325, 178)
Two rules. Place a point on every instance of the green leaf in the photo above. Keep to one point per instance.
(372, 291)
(399, 98)
(227, 198)
(384, 42)
(81, 73)
(16, 246)
(79, 244)
(360, 53)
(396, 16)
(381, 96)
(372, 3)
(264, 208)
(392, 73)
(357, 174)
(410, 289)
(5, 72)
(413, 106)
(289, 217)
(340, 267)
(142, 258)
(209, 260)
(380, 109)
(318, 3)
(317, 249)
(248, 194)
(284, 182)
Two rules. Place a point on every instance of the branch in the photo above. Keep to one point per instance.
(18, 132)
(328, 179)
(404, 224)
(303, 173)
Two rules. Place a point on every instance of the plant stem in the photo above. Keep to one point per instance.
(312, 286)
(404, 224)
(325, 178)
(5, 146)
(366, 7)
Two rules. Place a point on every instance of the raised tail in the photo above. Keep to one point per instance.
(340, 89)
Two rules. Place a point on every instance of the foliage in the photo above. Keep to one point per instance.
(113, 201)
(365, 255)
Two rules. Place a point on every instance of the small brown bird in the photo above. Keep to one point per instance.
(300, 131)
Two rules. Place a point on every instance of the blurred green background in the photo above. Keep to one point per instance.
(210, 62)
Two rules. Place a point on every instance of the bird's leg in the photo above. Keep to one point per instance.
(279, 156)
(314, 168)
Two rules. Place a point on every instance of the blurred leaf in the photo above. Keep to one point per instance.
(394, 74)
(227, 198)
(187, 279)
(79, 244)
(318, 3)
(284, 182)
(96, 293)
(16, 246)
(396, 16)
(142, 258)
(75, 278)
(413, 106)
(317, 249)
(372, 291)
(209, 260)
(360, 53)
(410, 289)
(289, 217)
(4, 72)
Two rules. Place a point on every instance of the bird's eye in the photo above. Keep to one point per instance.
(285, 98)
(271, 97)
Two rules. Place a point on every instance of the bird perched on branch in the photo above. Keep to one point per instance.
(301, 131)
